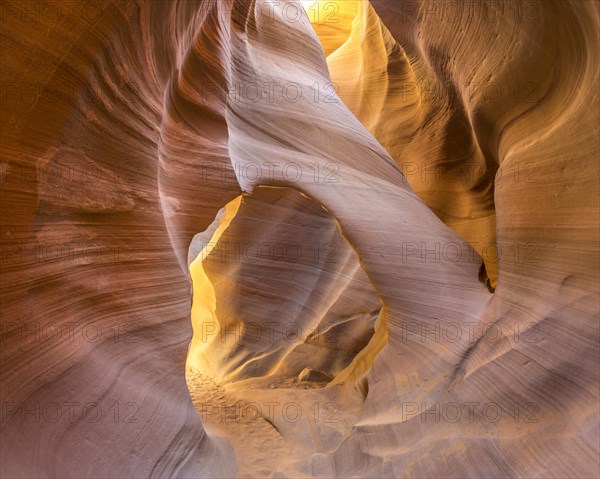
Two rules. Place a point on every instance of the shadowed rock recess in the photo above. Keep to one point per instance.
(329, 239)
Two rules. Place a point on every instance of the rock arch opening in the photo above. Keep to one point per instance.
(279, 296)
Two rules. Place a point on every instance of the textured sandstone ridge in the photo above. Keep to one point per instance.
(133, 167)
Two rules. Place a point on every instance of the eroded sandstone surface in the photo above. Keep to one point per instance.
(300, 239)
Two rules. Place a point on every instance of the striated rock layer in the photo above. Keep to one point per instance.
(317, 239)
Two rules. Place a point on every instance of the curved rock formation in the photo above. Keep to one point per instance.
(248, 238)
(279, 297)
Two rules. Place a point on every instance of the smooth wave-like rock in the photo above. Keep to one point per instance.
(241, 239)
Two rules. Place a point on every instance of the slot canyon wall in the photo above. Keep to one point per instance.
(252, 238)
